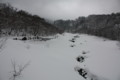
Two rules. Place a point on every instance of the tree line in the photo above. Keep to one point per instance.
(107, 26)
(14, 22)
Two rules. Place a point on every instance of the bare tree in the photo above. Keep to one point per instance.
(17, 69)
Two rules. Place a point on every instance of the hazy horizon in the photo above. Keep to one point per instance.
(66, 9)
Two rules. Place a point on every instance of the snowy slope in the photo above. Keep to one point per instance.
(56, 59)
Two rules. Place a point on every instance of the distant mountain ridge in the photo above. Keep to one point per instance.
(15, 22)
(100, 25)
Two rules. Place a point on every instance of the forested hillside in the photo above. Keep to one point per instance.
(100, 25)
(15, 22)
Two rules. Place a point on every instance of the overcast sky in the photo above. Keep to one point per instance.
(66, 9)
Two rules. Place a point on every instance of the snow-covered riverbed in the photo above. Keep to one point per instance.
(55, 59)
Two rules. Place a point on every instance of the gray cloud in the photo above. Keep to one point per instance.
(66, 9)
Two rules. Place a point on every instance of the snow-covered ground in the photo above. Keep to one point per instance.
(55, 59)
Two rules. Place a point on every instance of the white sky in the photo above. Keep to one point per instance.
(66, 9)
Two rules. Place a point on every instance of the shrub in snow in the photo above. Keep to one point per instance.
(45, 39)
(84, 52)
(86, 74)
(81, 71)
(24, 38)
(72, 45)
(17, 70)
(77, 36)
(80, 59)
(72, 40)
(14, 38)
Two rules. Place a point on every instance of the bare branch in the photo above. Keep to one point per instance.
(17, 69)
